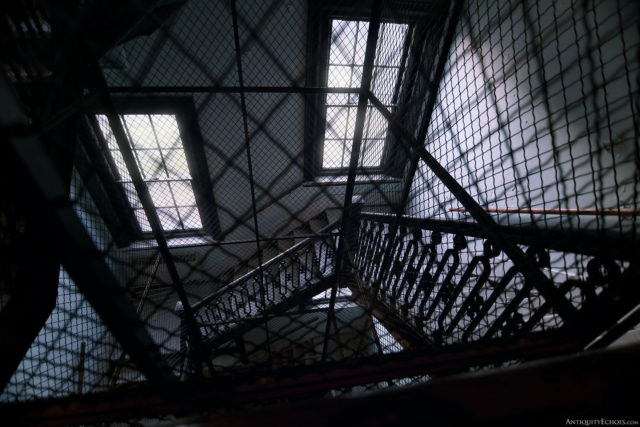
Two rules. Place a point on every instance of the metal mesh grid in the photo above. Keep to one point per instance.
(536, 117)
(282, 273)
(73, 351)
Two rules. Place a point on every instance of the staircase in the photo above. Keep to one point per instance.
(283, 282)
(432, 285)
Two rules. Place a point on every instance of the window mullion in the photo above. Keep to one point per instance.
(351, 75)
(133, 148)
(166, 170)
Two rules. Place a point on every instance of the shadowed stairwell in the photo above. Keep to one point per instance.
(370, 212)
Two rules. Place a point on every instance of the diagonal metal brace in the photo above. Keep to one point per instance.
(533, 276)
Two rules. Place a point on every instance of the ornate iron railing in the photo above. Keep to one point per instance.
(451, 285)
(446, 284)
(298, 273)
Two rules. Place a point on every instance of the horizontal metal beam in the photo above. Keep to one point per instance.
(300, 382)
(231, 89)
(584, 242)
(619, 212)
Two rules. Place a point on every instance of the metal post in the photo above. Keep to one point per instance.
(245, 125)
(415, 158)
(347, 217)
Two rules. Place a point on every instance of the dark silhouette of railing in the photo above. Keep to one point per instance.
(452, 285)
(447, 284)
(295, 275)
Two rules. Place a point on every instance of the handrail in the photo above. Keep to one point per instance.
(266, 265)
(583, 242)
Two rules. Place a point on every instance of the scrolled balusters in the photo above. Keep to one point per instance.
(328, 260)
(601, 273)
(509, 318)
(489, 302)
(295, 270)
(425, 285)
(473, 303)
(269, 289)
(407, 269)
(307, 264)
(282, 279)
(378, 258)
(288, 276)
(511, 321)
(365, 239)
(374, 253)
(450, 260)
(315, 263)
(396, 257)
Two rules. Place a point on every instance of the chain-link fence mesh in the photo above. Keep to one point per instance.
(281, 186)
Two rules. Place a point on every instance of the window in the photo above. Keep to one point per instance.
(345, 68)
(171, 160)
(160, 156)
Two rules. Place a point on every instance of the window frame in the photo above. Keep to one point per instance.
(321, 15)
(183, 109)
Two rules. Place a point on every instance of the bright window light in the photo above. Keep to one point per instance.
(346, 62)
(160, 157)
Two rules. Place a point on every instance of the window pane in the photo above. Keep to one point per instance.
(390, 44)
(142, 220)
(166, 128)
(140, 131)
(183, 192)
(160, 194)
(332, 157)
(340, 76)
(176, 162)
(103, 123)
(384, 83)
(351, 124)
(376, 125)
(132, 195)
(151, 164)
(342, 41)
(157, 166)
(190, 217)
(361, 44)
(371, 152)
(336, 122)
(169, 219)
(347, 71)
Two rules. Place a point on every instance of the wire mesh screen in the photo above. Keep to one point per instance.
(537, 116)
(253, 181)
(74, 350)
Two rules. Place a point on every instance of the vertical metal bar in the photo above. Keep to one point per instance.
(197, 345)
(456, 9)
(243, 105)
(347, 220)
(83, 349)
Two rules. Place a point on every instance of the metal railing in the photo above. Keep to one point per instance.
(298, 273)
(450, 284)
